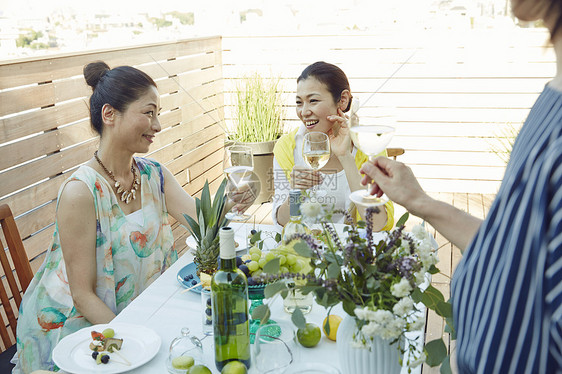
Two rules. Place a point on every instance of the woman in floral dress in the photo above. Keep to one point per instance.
(112, 235)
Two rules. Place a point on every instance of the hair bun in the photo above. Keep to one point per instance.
(94, 71)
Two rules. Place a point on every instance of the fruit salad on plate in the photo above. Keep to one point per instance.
(103, 343)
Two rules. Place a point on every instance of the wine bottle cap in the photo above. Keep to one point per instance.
(294, 203)
(226, 242)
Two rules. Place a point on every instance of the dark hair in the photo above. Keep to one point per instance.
(330, 75)
(118, 87)
(555, 8)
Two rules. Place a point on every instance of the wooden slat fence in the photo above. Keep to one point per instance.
(455, 99)
(45, 131)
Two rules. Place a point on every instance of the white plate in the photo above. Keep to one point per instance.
(73, 354)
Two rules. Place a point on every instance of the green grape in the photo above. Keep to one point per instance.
(255, 257)
(284, 269)
(296, 267)
(282, 260)
(262, 262)
(291, 259)
(253, 266)
(269, 256)
(108, 333)
(255, 249)
(257, 273)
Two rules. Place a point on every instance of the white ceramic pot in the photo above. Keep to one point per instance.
(381, 358)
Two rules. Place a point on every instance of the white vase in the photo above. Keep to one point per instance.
(381, 358)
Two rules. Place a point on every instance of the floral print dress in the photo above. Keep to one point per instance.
(129, 256)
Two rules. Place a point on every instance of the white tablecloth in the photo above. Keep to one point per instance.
(163, 308)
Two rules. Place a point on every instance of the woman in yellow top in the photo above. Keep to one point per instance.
(323, 96)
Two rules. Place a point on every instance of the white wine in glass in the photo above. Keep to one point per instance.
(239, 166)
(371, 136)
(316, 152)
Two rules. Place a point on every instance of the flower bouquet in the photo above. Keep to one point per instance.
(379, 283)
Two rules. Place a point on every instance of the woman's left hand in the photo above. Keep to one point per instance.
(340, 142)
(242, 196)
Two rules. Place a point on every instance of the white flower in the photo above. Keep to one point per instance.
(361, 313)
(386, 326)
(311, 209)
(419, 277)
(417, 362)
(382, 317)
(427, 254)
(403, 306)
(394, 329)
(371, 329)
(419, 232)
(418, 324)
(401, 289)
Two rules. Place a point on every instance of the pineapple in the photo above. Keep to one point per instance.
(206, 228)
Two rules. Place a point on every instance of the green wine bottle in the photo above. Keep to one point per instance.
(229, 294)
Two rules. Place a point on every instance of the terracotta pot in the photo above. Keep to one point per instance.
(263, 166)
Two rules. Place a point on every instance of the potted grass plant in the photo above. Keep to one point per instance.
(258, 122)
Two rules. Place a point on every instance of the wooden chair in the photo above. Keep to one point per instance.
(23, 272)
(394, 152)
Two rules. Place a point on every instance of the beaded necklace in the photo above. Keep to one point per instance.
(126, 195)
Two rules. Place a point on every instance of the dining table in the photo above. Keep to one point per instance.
(166, 308)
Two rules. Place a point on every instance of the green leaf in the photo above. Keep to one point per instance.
(436, 352)
(450, 327)
(446, 366)
(220, 198)
(255, 237)
(278, 238)
(272, 266)
(198, 209)
(305, 290)
(416, 295)
(333, 270)
(202, 225)
(206, 204)
(431, 297)
(262, 313)
(194, 227)
(302, 249)
(273, 288)
(327, 325)
(298, 319)
(444, 309)
(403, 219)
(349, 307)
(433, 270)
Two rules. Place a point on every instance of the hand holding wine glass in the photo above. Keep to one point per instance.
(316, 152)
(242, 186)
(371, 135)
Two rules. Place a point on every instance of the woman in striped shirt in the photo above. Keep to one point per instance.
(507, 290)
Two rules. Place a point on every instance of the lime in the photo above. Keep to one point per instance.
(309, 336)
(108, 333)
(234, 367)
(199, 369)
(334, 322)
(183, 362)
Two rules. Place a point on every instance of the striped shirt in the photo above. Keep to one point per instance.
(507, 290)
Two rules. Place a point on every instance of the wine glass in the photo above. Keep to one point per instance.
(371, 135)
(316, 153)
(275, 347)
(238, 166)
